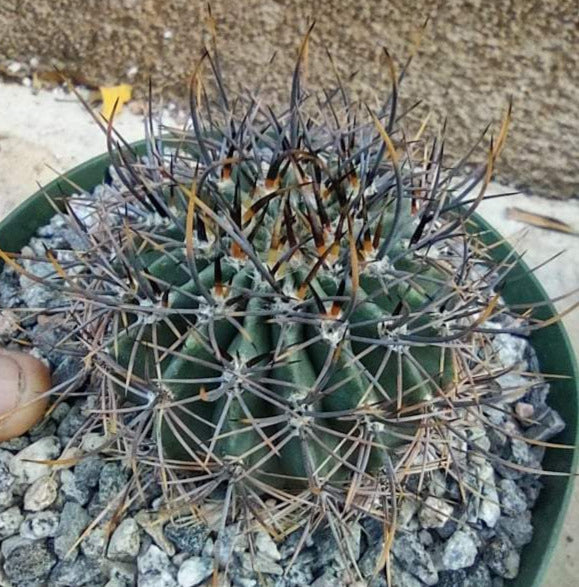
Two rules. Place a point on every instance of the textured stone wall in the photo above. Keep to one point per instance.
(475, 54)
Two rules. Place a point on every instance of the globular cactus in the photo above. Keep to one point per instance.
(302, 307)
(287, 305)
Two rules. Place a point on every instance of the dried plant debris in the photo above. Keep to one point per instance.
(280, 357)
(540, 221)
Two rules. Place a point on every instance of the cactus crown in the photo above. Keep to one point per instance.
(286, 305)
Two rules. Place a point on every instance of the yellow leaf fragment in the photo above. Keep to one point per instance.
(112, 95)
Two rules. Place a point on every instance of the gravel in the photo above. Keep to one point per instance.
(40, 525)
(155, 569)
(125, 541)
(435, 513)
(23, 466)
(41, 494)
(194, 571)
(73, 521)
(188, 538)
(413, 558)
(501, 557)
(10, 521)
(29, 562)
(81, 571)
(459, 551)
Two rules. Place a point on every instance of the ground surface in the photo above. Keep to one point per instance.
(50, 130)
(475, 54)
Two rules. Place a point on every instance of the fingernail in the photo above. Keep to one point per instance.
(11, 383)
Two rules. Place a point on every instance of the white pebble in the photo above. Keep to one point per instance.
(125, 541)
(194, 571)
(40, 525)
(265, 544)
(41, 494)
(155, 569)
(14, 67)
(22, 465)
(10, 521)
(459, 551)
(93, 442)
(435, 513)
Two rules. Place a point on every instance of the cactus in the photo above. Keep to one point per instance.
(286, 305)
(300, 305)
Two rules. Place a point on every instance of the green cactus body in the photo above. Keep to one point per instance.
(285, 370)
(287, 293)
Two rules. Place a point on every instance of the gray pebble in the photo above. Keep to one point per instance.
(112, 480)
(447, 530)
(194, 571)
(502, 558)
(425, 538)
(82, 571)
(125, 541)
(94, 545)
(88, 471)
(519, 529)
(73, 521)
(71, 423)
(413, 558)
(6, 478)
(73, 490)
(7, 499)
(9, 544)
(40, 525)
(60, 411)
(45, 427)
(299, 574)
(10, 521)
(351, 543)
(531, 487)
(67, 370)
(513, 499)
(124, 573)
(15, 444)
(188, 538)
(478, 576)
(289, 545)
(459, 551)
(29, 562)
(155, 569)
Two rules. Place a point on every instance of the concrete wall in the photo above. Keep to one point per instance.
(476, 53)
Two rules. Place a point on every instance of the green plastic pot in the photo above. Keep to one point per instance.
(552, 345)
